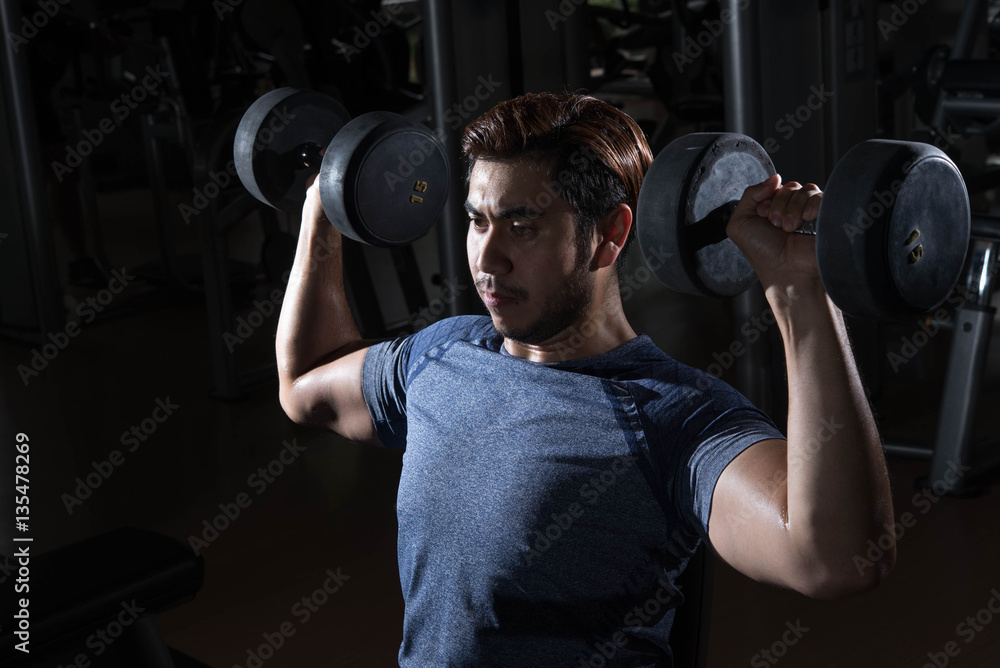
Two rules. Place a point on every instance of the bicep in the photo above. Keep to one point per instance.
(748, 522)
(330, 395)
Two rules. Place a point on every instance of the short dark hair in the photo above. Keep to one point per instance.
(598, 154)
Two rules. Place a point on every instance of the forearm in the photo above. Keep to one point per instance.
(316, 320)
(838, 495)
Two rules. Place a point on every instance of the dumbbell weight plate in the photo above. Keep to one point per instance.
(893, 229)
(691, 177)
(384, 179)
(269, 139)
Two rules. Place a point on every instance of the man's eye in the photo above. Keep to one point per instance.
(478, 223)
(522, 230)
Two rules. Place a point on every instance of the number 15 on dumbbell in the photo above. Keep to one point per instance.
(891, 236)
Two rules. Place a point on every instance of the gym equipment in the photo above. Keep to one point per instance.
(957, 96)
(383, 179)
(891, 235)
(103, 593)
(898, 231)
(700, 177)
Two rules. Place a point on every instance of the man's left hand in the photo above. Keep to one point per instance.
(763, 227)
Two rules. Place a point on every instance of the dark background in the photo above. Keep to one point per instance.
(194, 325)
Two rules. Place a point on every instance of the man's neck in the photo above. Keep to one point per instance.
(594, 334)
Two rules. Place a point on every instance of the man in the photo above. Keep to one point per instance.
(559, 469)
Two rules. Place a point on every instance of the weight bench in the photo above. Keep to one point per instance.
(93, 602)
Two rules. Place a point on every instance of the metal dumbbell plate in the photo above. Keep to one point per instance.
(384, 180)
(270, 139)
(691, 177)
(893, 229)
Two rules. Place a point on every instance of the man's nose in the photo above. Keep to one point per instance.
(492, 253)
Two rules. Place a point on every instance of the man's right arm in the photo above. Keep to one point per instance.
(319, 349)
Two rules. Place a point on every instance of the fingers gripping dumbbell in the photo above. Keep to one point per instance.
(891, 235)
(383, 179)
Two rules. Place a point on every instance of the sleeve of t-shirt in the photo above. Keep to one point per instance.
(719, 425)
(389, 365)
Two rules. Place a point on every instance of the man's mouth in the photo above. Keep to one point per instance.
(494, 294)
(495, 298)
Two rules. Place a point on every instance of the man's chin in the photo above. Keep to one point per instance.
(510, 329)
(504, 326)
(528, 334)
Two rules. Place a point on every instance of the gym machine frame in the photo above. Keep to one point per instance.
(973, 321)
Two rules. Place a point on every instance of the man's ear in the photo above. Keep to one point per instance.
(612, 231)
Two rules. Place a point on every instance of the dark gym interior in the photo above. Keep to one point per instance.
(175, 516)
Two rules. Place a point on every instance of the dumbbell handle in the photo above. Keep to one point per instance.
(712, 228)
(310, 155)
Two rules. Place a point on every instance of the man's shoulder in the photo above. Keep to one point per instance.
(659, 378)
(642, 360)
(475, 329)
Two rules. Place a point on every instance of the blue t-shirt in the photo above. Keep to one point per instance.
(545, 509)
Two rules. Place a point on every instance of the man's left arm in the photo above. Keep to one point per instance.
(800, 513)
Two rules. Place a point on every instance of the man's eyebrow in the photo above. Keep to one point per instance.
(514, 212)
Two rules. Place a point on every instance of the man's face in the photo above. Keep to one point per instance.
(522, 246)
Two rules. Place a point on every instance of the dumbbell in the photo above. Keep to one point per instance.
(383, 179)
(891, 236)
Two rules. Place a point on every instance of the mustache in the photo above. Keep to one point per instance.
(487, 284)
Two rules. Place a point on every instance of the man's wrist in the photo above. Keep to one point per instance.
(801, 307)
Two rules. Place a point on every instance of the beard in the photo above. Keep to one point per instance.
(560, 311)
